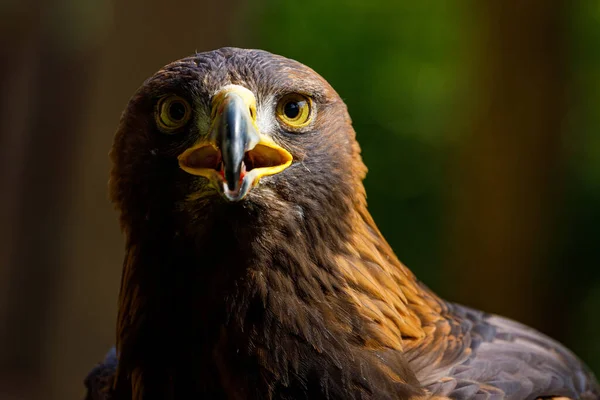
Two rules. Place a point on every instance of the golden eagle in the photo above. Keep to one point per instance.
(253, 269)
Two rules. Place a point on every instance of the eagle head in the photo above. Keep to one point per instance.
(235, 136)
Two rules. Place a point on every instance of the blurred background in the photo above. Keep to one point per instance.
(478, 121)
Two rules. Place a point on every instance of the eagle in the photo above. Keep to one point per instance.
(253, 269)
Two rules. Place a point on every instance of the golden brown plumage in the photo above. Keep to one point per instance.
(253, 269)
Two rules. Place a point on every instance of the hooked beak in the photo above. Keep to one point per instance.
(236, 155)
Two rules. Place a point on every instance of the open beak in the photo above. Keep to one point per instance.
(235, 155)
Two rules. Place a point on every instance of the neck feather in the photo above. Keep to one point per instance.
(294, 282)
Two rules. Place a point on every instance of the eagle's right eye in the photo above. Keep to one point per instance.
(295, 110)
(172, 113)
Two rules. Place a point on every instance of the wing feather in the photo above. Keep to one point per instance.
(491, 357)
(100, 380)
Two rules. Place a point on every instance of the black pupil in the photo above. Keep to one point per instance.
(292, 109)
(176, 111)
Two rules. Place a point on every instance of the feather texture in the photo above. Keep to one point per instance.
(292, 293)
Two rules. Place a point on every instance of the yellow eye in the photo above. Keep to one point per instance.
(172, 113)
(294, 110)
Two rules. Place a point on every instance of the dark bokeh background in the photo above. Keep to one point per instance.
(478, 121)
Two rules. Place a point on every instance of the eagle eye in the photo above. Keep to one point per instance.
(294, 110)
(172, 113)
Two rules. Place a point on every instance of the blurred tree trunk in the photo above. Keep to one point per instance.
(47, 78)
(508, 178)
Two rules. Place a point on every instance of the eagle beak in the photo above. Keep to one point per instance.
(236, 155)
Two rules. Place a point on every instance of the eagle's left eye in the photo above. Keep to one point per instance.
(172, 113)
(294, 110)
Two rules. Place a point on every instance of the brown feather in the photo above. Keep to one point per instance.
(292, 293)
